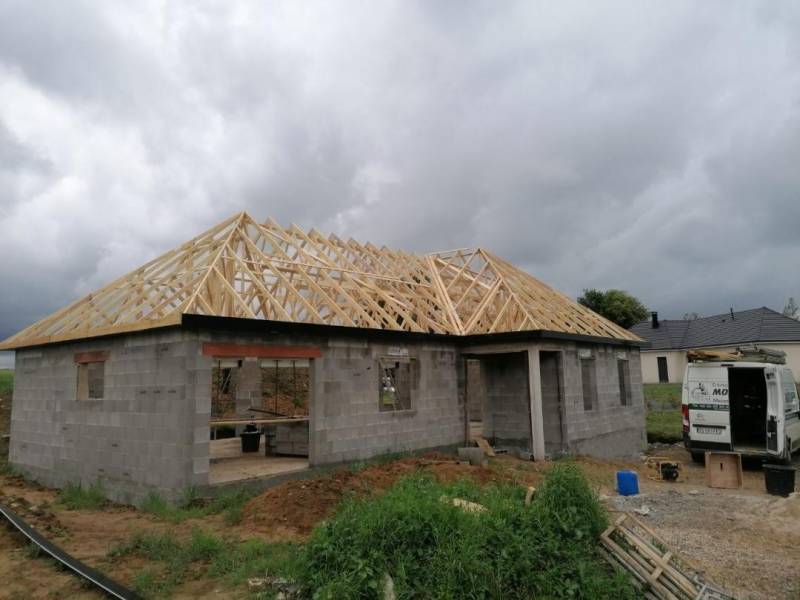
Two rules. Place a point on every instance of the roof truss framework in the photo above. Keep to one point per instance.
(242, 268)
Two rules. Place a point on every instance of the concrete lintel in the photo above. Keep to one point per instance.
(495, 349)
(535, 392)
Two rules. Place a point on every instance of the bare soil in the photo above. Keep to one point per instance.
(293, 509)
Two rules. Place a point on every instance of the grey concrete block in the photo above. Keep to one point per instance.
(475, 456)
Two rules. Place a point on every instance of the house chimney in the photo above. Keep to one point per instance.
(654, 315)
(733, 318)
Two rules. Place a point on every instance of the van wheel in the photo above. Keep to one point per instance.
(699, 458)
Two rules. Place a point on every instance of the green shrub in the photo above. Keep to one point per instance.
(433, 549)
(74, 496)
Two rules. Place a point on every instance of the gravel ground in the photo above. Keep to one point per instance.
(748, 544)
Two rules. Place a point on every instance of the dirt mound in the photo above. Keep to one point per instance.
(293, 509)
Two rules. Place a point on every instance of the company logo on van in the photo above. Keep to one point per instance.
(709, 395)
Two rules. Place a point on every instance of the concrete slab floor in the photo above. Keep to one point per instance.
(229, 464)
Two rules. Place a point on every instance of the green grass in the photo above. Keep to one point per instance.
(668, 394)
(665, 427)
(6, 382)
(429, 547)
(664, 422)
(192, 507)
(432, 549)
(74, 496)
(204, 554)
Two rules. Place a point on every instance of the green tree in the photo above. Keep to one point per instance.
(791, 309)
(615, 305)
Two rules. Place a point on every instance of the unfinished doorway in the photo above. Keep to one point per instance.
(552, 401)
(260, 417)
(498, 400)
(748, 408)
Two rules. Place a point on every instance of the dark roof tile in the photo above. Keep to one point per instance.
(745, 327)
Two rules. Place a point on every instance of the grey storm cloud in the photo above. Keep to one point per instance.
(647, 146)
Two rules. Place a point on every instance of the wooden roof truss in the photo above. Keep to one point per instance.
(242, 268)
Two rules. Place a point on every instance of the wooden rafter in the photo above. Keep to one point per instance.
(245, 269)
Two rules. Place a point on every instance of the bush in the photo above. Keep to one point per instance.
(433, 549)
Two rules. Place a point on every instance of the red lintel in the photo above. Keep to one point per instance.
(89, 357)
(258, 351)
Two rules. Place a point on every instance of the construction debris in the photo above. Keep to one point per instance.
(484, 445)
(657, 570)
(475, 456)
(529, 495)
(724, 470)
(468, 506)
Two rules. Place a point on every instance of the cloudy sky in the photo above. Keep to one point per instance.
(648, 146)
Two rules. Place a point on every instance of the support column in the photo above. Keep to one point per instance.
(535, 393)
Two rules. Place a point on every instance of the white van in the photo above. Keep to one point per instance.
(746, 402)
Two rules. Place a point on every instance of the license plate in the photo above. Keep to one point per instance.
(710, 430)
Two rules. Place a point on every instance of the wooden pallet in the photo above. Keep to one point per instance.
(657, 570)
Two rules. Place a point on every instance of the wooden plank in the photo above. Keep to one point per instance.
(257, 421)
(484, 445)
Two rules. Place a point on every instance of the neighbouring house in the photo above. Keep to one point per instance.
(664, 360)
(326, 350)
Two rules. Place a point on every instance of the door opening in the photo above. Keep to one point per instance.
(498, 400)
(663, 373)
(552, 401)
(748, 407)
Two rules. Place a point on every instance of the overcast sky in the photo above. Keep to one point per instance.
(648, 146)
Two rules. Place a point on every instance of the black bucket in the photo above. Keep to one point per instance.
(779, 479)
(251, 439)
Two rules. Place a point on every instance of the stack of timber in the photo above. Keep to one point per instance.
(657, 570)
(749, 353)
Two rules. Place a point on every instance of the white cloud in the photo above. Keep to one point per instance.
(646, 146)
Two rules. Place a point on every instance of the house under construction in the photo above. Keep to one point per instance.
(334, 350)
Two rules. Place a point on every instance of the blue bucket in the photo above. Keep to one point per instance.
(627, 483)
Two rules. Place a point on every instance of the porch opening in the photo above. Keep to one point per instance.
(498, 400)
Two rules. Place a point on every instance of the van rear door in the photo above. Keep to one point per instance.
(776, 419)
(708, 399)
(791, 410)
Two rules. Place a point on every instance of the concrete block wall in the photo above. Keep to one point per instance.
(150, 432)
(289, 439)
(346, 423)
(138, 438)
(506, 399)
(609, 429)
